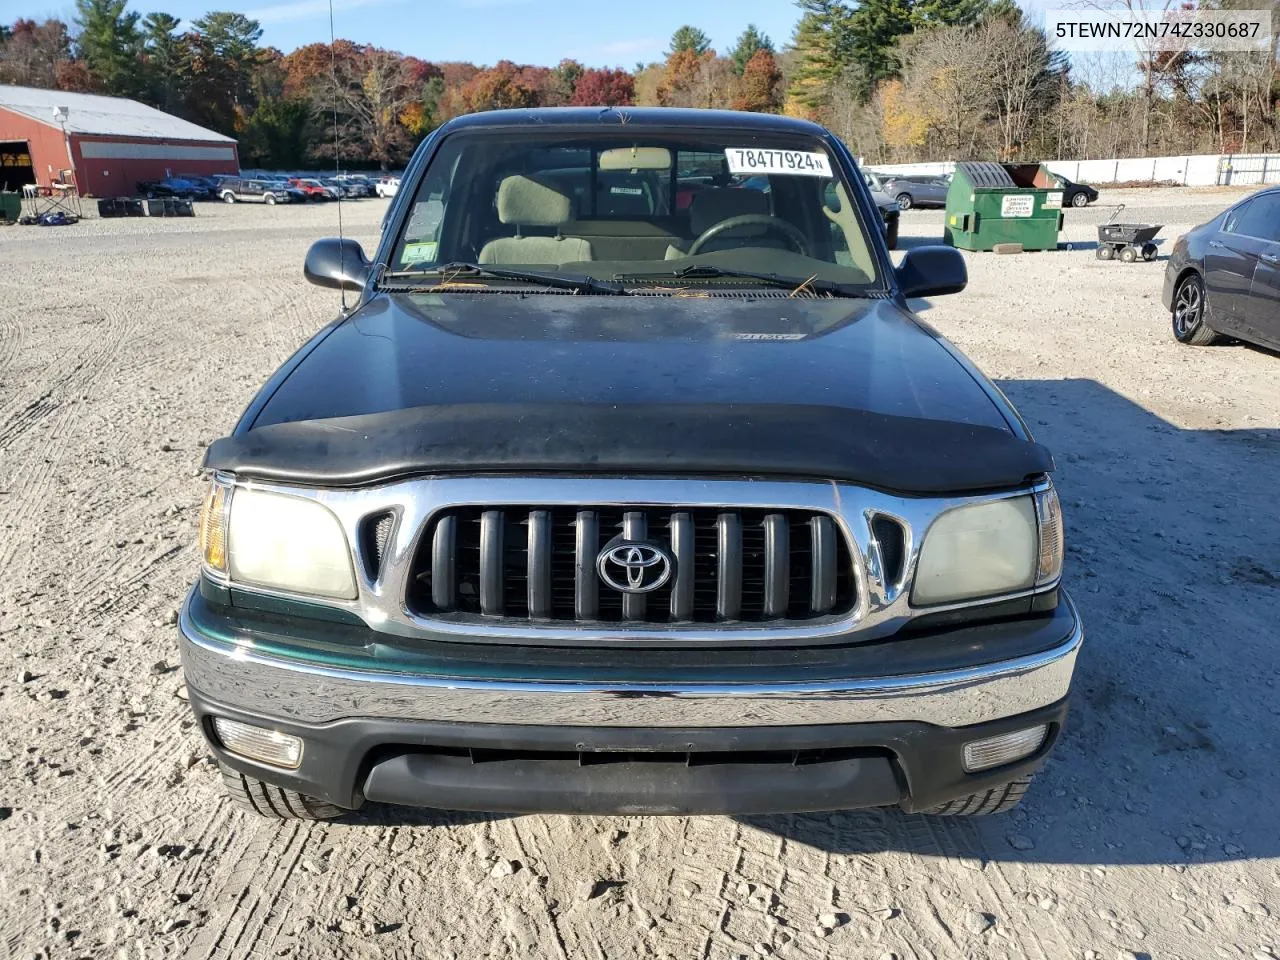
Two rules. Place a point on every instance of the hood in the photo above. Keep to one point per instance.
(839, 389)
(411, 350)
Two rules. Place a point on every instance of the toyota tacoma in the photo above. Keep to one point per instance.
(628, 482)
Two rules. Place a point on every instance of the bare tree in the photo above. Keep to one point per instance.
(949, 86)
(372, 87)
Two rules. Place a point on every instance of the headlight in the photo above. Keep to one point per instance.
(979, 550)
(277, 541)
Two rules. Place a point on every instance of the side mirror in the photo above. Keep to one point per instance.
(340, 264)
(931, 272)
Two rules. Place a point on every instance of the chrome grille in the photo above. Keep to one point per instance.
(538, 563)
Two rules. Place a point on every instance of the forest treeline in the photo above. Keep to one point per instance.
(899, 80)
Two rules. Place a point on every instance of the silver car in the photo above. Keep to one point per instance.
(911, 191)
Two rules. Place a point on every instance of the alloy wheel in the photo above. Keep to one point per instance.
(1187, 307)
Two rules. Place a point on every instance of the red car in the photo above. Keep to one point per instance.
(314, 189)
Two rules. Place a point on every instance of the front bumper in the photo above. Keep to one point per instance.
(666, 739)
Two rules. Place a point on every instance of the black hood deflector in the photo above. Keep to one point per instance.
(900, 454)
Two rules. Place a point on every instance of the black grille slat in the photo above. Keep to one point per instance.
(681, 536)
(729, 569)
(635, 526)
(537, 563)
(444, 565)
(538, 573)
(492, 561)
(777, 565)
(823, 586)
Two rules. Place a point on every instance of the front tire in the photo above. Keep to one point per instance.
(271, 201)
(1189, 326)
(905, 200)
(228, 197)
(1079, 200)
(998, 799)
(275, 803)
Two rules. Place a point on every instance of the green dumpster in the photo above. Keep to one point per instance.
(10, 206)
(994, 203)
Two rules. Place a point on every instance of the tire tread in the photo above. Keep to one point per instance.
(998, 799)
(275, 803)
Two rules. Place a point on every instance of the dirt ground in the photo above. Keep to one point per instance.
(126, 346)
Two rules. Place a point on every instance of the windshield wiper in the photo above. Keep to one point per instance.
(706, 271)
(462, 270)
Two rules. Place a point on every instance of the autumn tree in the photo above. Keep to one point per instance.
(502, 87)
(759, 88)
(33, 54)
(605, 88)
(373, 88)
(564, 83)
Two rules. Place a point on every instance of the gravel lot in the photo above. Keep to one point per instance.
(126, 346)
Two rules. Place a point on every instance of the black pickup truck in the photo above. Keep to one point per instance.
(628, 483)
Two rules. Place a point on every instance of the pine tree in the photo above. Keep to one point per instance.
(689, 38)
(816, 63)
(162, 50)
(108, 44)
(749, 44)
(872, 34)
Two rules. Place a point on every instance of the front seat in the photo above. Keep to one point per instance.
(525, 202)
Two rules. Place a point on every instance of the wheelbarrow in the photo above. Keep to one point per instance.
(1126, 241)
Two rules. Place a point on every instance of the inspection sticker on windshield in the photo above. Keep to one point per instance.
(752, 160)
(421, 252)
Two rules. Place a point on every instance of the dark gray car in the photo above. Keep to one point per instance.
(1223, 277)
(910, 191)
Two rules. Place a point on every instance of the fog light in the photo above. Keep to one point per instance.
(258, 743)
(1006, 748)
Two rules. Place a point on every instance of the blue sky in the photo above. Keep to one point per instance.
(596, 32)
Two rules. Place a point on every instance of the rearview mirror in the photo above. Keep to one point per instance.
(337, 263)
(931, 272)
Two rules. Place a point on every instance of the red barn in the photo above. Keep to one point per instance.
(109, 143)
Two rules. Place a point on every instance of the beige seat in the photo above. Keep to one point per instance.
(526, 202)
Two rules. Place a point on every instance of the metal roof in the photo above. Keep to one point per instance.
(89, 113)
(638, 116)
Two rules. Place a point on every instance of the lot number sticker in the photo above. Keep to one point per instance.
(751, 160)
(1017, 205)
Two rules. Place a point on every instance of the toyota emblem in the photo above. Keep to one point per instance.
(631, 567)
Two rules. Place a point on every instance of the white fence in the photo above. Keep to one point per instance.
(1202, 170)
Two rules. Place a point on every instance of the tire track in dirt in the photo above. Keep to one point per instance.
(36, 471)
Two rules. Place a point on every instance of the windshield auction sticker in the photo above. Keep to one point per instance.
(753, 160)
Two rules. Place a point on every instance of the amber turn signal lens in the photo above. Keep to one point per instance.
(213, 528)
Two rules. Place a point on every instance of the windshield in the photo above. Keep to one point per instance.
(639, 208)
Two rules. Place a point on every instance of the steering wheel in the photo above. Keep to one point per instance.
(787, 230)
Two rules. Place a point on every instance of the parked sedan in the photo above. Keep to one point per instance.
(1223, 277)
(1075, 194)
(912, 191)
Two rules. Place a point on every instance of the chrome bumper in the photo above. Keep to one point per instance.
(239, 676)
